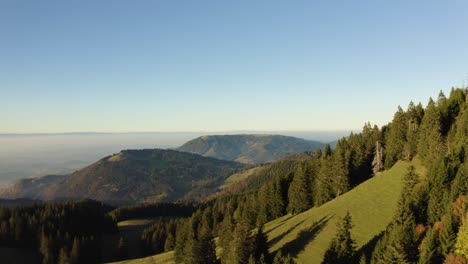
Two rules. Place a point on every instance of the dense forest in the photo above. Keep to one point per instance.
(65, 232)
(430, 224)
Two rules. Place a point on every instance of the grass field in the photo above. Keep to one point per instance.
(306, 236)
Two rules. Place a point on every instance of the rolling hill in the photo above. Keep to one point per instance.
(307, 235)
(133, 176)
(249, 149)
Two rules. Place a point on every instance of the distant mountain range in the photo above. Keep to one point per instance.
(192, 172)
(249, 149)
(133, 176)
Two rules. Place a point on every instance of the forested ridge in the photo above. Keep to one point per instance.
(430, 224)
(428, 227)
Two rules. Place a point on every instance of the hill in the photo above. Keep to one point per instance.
(249, 149)
(306, 236)
(133, 176)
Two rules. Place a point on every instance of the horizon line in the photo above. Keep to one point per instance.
(168, 132)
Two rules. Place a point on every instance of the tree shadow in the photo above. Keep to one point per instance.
(368, 248)
(278, 238)
(297, 245)
(280, 224)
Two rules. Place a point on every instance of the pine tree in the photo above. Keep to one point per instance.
(240, 248)
(447, 236)
(203, 248)
(47, 249)
(122, 249)
(414, 120)
(260, 246)
(377, 162)
(75, 254)
(461, 245)
(340, 178)
(323, 189)
(438, 179)
(300, 193)
(281, 259)
(225, 235)
(327, 151)
(396, 138)
(182, 235)
(363, 259)
(342, 248)
(63, 256)
(460, 184)
(429, 254)
(430, 144)
(170, 242)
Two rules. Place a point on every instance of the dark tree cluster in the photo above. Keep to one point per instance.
(160, 237)
(150, 210)
(66, 232)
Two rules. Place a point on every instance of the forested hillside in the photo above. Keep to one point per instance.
(429, 225)
(395, 194)
(250, 149)
(133, 176)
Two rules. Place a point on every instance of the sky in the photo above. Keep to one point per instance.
(125, 66)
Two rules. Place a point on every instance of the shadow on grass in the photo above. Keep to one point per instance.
(368, 248)
(278, 238)
(280, 223)
(297, 245)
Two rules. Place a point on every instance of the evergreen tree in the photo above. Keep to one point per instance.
(281, 259)
(225, 235)
(460, 184)
(396, 138)
(240, 248)
(47, 249)
(182, 238)
(323, 189)
(75, 254)
(327, 151)
(340, 178)
(363, 259)
(63, 256)
(414, 120)
(260, 246)
(439, 179)
(342, 247)
(122, 249)
(377, 162)
(203, 248)
(448, 235)
(461, 245)
(429, 254)
(430, 144)
(300, 193)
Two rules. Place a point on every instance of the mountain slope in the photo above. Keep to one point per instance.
(371, 205)
(250, 149)
(135, 176)
(306, 236)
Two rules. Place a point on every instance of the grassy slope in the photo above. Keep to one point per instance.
(372, 204)
(307, 235)
(165, 258)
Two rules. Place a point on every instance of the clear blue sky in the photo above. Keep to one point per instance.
(223, 65)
